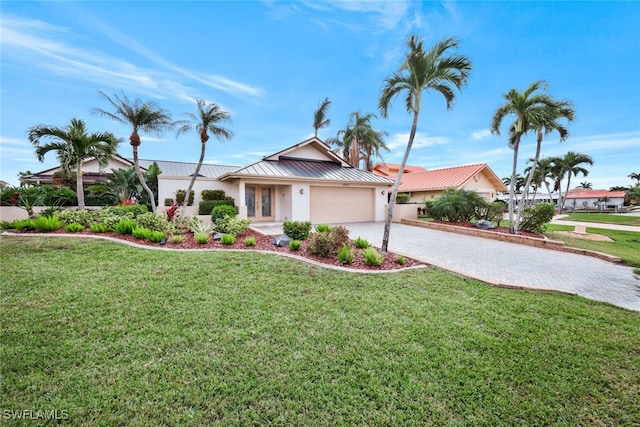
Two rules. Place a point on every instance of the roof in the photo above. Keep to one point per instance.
(391, 169)
(308, 169)
(580, 193)
(169, 168)
(440, 179)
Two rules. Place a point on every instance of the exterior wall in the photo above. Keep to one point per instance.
(167, 187)
(405, 211)
(421, 196)
(592, 202)
(307, 152)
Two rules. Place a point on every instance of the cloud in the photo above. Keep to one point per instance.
(399, 140)
(480, 134)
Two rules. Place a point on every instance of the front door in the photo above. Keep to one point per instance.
(259, 200)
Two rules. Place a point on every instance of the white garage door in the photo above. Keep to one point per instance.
(341, 204)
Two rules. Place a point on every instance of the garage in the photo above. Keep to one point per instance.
(341, 204)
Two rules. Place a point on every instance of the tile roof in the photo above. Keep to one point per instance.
(579, 193)
(293, 168)
(391, 169)
(440, 179)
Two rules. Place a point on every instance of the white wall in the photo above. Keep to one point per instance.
(167, 187)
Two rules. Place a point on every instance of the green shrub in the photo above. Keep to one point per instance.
(402, 198)
(401, 260)
(457, 205)
(112, 215)
(228, 239)
(125, 226)
(177, 238)
(213, 195)
(535, 219)
(340, 235)
(43, 223)
(322, 228)
(222, 211)
(181, 194)
(346, 255)
(229, 225)
(81, 216)
(201, 238)
(321, 244)
(155, 236)
(74, 227)
(50, 211)
(23, 224)
(428, 208)
(135, 210)
(6, 225)
(493, 212)
(294, 245)
(168, 201)
(97, 227)
(297, 230)
(361, 243)
(197, 226)
(152, 221)
(205, 207)
(250, 241)
(372, 257)
(140, 233)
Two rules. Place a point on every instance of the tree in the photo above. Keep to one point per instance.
(533, 112)
(635, 176)
(207, 120)
(319, 116)
(73, 145)
(371, 145)
(147, 117)
(568, 165)
(421, 71)
(358, 130)
(585, 185)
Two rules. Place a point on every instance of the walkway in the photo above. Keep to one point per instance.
(510, 264)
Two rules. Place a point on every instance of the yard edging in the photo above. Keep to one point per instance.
(521, 240)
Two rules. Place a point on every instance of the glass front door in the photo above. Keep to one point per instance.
(259, 201)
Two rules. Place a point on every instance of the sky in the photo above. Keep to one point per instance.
(269, 64)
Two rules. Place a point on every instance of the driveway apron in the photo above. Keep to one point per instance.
(510, 264)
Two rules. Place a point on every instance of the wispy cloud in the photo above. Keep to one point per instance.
(399, 140)
(480, 134)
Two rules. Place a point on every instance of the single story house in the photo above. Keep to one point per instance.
(304, 182)
(580, 198)
(422, 184)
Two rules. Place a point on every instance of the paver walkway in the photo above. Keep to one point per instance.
(510, 264)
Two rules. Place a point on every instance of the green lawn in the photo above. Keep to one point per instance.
(603, 218)
(625, 245)
(115, 335)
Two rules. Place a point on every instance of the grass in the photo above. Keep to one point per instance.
(603, 218)
(116, 335)
(625, 245)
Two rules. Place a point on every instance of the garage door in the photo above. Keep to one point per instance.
(341, 204)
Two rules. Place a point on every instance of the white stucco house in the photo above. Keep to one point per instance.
(304, 182)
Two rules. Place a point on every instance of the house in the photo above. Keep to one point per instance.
(305, 182)
(580, 198)
(424, 184)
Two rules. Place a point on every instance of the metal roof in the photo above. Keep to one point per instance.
(292, 168)
(187, 169)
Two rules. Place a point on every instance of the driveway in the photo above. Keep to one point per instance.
(510, 264)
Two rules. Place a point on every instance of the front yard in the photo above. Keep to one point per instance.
(113, 335)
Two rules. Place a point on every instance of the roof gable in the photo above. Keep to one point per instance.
(440, 179)
(391, 169)
(311, 149)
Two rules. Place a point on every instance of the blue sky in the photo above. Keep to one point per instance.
(270, 63)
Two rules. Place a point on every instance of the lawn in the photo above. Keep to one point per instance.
(625, 245)
(115, 335)
(603, 218)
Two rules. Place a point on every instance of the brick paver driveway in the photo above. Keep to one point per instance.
(509, 263)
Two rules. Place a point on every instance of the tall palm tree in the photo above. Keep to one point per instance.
(207, 120)
(421, 71)
(371, 145)
(342, 146)
(73, 145)
(585, 185)
(147, 117)
(533, 112)
(358, 130)
(635, 176)
(319, 116)
(571, 164)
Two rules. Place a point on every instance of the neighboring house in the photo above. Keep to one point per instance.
(579, 198)
(424, 184)
(305, 182)
(390, 170)
(91, 172)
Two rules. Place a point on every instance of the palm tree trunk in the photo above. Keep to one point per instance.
(527, 184)
(512, 185)
(355, 152)
(396, 184)
(79, 186)
(136, 164)
(193, 178)
(565, 192)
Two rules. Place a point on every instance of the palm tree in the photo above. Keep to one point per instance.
(544, 171)
(73, 145)
(421, 71)
(121, 185)
(206, 121)
(568, 165)
(585, 185)
(358, 130)
(532, 111)
(146, 117)
(319, 116)
(636, 177)
(342, 146)
(371, 145)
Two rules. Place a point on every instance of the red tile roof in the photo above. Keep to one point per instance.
(580, 193)
(391, 169)
(440, 179)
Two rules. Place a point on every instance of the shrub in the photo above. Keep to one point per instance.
(74, 227)
(43, 223)
(177, 238)
(97, 227)
(457, 205)
(205, 207)
(294, 245)
(125, 226)
(493, 212)
(155, 236)
(229, 225)
(140, 232)
(213, 195)
(535, 219)
(250, 241)
(228, 239)
(340, 235)
(82, 216)
(222, 211)
(346, 255)
(171, 211)
(152, 221)
(361, 243)
(297, 230)
(428, 208)
(322, 228)
(372, 257)
(23, 224)
(201, 238)
(401, 260)
(403, 198)
(168, 201)
(196, 226)
(135, 210)
(321, 244)
(181, 194)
